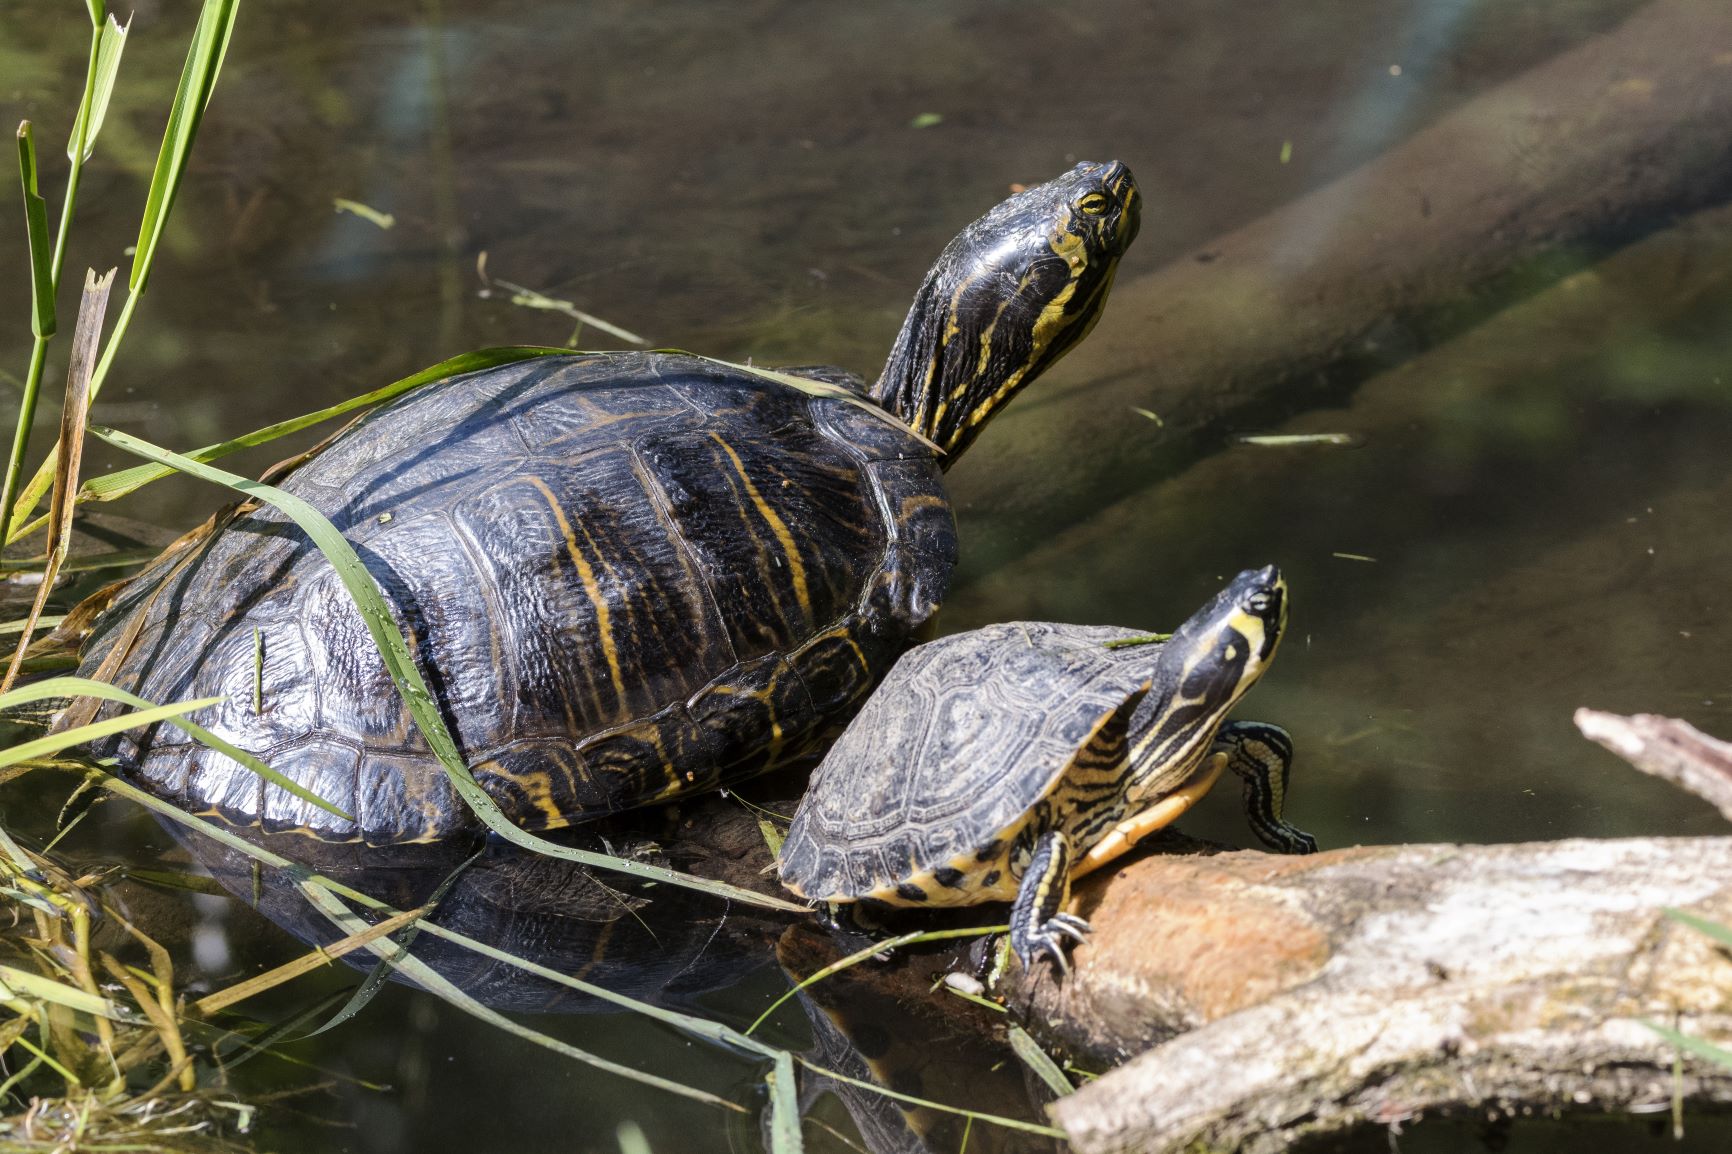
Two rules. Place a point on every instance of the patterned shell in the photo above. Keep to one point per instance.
(964, 737)
(626, 577)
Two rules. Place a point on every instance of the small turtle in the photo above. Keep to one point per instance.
(627, 576)
(998, 764)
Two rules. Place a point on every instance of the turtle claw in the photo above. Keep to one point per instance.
(1048, 940)
(1070, 925)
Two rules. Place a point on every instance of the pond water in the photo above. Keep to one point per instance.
(1531, 517)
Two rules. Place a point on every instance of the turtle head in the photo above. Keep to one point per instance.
(1006, 299)
(1202, 672)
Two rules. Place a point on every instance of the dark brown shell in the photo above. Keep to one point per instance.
(626, 577)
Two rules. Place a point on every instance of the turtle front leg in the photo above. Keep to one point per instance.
(1038, 923)
(1262, 755)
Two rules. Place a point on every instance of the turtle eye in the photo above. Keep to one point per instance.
(1094, 204)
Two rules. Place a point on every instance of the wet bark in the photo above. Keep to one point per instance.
(1569, 161)
(1270, 998)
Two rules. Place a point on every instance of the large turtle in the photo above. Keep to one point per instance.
(997, 764)
(626, 576)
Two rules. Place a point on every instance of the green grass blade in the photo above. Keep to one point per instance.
(197, 79)
(1715, 930)
(111, 42)
(84, 687)
(898, 1096)
(36, 1061)
(529, 298)
(42, 322)
(375, 980)
(430, 980)
(247, 1046)
(14, 982)
(394, 653)
(113, 486)
(784, 1107)
(42, 318)
(873, 951)
(119, 483)
(203, 62)
(117, 559)
(55, 742)
(1039, 1061)
(1693, 1045)
(697, 1027)
(815, 388)
(48, 622)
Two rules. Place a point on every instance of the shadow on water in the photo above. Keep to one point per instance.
(668, 947)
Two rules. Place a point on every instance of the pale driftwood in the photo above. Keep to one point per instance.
(1671, 750)
(1582, 154)
(1292, 996)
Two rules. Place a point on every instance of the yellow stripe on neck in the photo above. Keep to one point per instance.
(1123, 837)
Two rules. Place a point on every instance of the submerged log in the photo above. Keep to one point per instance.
(1294, 996)
(1575, 158)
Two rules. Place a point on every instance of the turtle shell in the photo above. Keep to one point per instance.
(951, 755)
(625, 577)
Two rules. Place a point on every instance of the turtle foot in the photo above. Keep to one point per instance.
(1048, 939)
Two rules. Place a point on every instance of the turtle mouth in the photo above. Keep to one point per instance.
(1116, 179)
(1271, 606)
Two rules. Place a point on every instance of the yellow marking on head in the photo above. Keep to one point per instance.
(1049, 324)
(796, 567)
(985, 358)
(951, 328)
(1251, 628)
(1124, 836)
(591, 589)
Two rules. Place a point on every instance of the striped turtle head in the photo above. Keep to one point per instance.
(1202, 672)
(1007, 299)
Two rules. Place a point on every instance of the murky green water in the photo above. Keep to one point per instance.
(1534, 516)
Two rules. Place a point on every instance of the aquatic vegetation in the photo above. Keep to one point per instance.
(105, 1047)
(100, 1051)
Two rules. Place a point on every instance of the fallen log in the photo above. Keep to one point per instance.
(1522, 357)
(1669, 749)
(1571, 160)
(1271, 998)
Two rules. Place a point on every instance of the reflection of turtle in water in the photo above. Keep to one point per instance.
(996, 765)
(660, 944)
(867, 1026)
(666, 945)
(627, 576)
